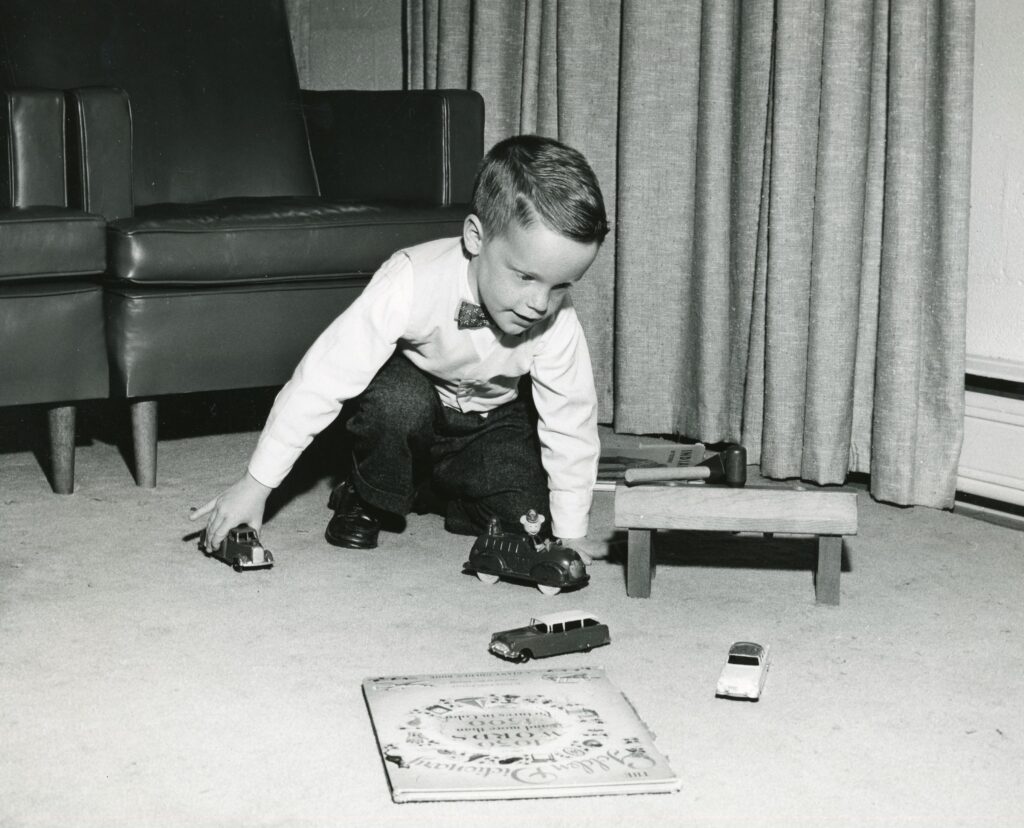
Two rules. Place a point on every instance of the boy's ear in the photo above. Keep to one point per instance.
(472, 234)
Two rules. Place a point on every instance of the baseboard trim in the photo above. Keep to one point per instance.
(992, 458)
(998, 513)
(1010, 370)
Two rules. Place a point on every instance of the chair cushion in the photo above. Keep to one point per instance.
(267, 239)
(162, 338)
(52, 341)
(42, 242)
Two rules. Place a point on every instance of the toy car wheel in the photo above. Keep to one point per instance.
(524, 656)
(487, 578)
(237, 566)
(548, 590)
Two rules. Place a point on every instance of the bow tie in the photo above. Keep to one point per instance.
(473, 316)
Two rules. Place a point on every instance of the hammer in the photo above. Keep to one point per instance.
(729, 466)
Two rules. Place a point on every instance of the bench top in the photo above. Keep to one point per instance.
(724, 509)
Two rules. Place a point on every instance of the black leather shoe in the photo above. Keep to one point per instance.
(355, 524)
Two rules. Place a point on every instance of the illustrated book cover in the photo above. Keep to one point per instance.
(614, 460)
(512, 735)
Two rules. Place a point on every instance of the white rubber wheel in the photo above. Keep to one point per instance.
(548, 590)
(487, 579)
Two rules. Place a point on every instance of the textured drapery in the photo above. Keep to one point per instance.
(789, 185)
(545, 67)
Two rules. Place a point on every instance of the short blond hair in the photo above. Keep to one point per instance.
(529, 177)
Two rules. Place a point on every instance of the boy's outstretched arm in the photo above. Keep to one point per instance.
(338, 366)
(566, 402)
(242, 502)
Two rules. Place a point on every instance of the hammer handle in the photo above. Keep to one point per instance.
(634, 476)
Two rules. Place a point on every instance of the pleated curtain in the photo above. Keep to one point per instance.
(788, 183)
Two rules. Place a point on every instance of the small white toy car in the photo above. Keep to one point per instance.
(744, 672)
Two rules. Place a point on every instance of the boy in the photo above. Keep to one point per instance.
(431, 354)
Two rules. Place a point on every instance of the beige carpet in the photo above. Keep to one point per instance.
(144, 684)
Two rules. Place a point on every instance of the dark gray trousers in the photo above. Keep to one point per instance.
(405, 438)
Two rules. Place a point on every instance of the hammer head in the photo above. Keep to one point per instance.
(729, 466)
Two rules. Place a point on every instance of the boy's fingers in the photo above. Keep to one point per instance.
(212, 541)
(195, 514)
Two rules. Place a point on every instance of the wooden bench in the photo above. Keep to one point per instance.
(828, 515)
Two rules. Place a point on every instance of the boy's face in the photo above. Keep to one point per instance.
(523, 274)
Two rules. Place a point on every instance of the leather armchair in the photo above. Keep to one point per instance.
(243, 214)
(51, 312)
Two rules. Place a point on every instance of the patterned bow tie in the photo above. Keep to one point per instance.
(473, 316)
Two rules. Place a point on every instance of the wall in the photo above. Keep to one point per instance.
(992, 457)
(347, 44)
(995, 306)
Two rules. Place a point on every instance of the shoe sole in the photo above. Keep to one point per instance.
(350, 542)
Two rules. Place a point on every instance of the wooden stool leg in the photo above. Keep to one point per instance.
(830, 562)
(62, 448)
(638, 563)
(144, 442)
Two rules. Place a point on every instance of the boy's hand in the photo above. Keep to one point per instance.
(589, 550)
(242, 502)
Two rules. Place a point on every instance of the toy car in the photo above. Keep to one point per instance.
(242, 549)
(549, 565)
(548, 635)
(744, 672)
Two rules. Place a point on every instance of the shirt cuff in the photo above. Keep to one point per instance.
(570, 514)
(270, 464)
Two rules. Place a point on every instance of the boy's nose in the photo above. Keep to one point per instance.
(538, 302)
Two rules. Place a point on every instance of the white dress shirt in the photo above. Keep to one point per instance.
(411, 304)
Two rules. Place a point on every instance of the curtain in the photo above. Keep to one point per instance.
(542, 67)
(788, 184)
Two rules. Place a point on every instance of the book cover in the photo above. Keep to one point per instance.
(512, 735)
(615, 460)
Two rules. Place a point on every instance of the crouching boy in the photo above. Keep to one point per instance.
(431, 355)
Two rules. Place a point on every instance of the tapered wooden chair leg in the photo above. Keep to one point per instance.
(62, 448)
(144, 442)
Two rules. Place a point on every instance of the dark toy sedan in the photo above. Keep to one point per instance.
(548, 635)
(548, 564)
(242, 550)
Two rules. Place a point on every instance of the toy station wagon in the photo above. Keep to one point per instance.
(548, 635)
(242, 550)
(549, 565)
(745, 671)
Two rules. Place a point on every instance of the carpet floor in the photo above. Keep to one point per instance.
(144, 684)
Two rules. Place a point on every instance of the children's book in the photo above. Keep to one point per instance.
(615, 460)
(512, 735)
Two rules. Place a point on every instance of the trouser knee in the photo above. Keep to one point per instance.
(400, 401)
(392, 428)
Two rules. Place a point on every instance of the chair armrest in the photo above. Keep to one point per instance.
(421, 147)
(100, 150)
(32, 148)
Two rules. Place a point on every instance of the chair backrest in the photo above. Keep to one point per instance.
(212, 85)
